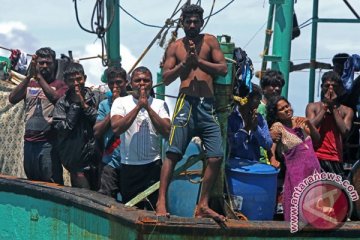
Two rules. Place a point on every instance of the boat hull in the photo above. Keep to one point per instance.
(37, 210)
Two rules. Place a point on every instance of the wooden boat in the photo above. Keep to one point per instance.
(38, 210)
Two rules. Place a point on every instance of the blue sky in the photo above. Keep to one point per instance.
(33, 24)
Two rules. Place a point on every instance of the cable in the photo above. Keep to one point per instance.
(98, 20)
(305, 25)
(300, 25)
(211, 11)
(220, 9)
(78, 20)
(136, 19)
(252, 38)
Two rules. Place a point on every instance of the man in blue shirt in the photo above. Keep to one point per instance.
(110, 173)
(247, 129)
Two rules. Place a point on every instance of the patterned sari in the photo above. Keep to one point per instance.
(300, 160)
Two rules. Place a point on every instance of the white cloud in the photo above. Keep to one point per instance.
(8, 27)
(94, 68)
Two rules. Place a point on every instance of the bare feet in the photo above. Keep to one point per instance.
(206, 212)
(161, 211)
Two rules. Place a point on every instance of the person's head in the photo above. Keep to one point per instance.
(116, 79)
(74, 76)
(253, 99)
(278, 110)
(46, 63)
(338, 62)
(331, 81)
(192, 20)
(272, 83)
(141, 77)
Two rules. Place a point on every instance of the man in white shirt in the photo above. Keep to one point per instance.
(141, 121)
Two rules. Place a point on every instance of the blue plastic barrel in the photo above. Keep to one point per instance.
(183, 190)
(252, 186)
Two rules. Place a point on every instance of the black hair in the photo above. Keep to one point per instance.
(73, 68)
(113, 71)
(189, 10)
(331, 75)
(271, 109)
(46, 52)
(338, 62)
(244, 91)
(256, 92)
(141, 69)
(272, 77)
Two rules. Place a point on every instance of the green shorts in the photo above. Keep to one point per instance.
(194, 116)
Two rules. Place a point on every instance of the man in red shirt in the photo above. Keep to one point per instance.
(333, 121)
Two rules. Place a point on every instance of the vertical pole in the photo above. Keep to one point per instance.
(282, 39)
(313, 50)
(268, 33)
(113, 34)
(160, 89)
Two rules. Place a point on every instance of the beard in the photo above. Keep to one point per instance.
(192, 33)
(47, 74)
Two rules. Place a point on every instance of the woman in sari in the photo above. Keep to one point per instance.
(294, 143)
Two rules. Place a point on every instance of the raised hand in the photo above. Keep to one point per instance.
(254, 119)
(192, 56)
(301, 122)
(330, 98)
(143, 101)
(32, 72)
(115, 93)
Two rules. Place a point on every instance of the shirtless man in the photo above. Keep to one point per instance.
(196, 59)
(333, 121)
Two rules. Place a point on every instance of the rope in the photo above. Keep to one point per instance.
(100, 30)
(168, 22)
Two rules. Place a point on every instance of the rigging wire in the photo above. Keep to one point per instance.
(168, 22)
(256, 33)
(211, 11)
(98, 25)
(221, 9)
(303, 26)
(78, 20)
(300, 25)
(136, 19)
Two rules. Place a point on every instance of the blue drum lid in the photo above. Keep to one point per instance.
(251, 167)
